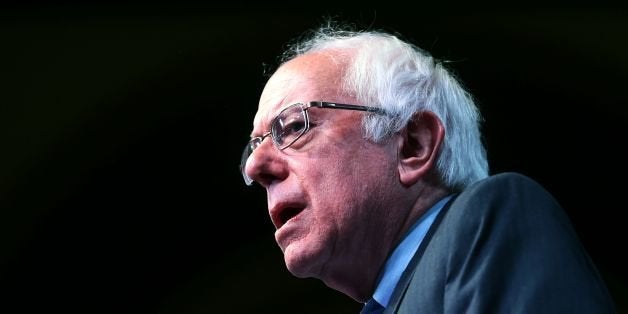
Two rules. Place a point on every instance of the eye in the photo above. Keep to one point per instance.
(292, 127)
(289, 125)
(287, 130)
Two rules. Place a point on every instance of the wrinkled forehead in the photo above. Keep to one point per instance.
(310, 77)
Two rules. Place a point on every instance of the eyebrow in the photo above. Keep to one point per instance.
(272, 116)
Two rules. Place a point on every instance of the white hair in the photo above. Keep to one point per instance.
(404, 80)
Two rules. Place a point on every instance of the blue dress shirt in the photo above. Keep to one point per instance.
(403, 253)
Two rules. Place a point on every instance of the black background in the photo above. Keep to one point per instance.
(122, 124)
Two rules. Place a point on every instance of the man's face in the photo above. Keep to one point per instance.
(329, 192)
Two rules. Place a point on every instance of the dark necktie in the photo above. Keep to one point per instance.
(372, 307)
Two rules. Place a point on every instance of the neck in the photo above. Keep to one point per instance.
(359, 278)
(427, 197)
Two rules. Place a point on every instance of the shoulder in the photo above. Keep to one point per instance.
(506, 206)
(506, 192)
(512, 182)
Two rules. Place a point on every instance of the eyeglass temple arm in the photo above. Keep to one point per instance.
(323, 104)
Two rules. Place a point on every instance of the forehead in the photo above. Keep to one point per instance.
(310, 77)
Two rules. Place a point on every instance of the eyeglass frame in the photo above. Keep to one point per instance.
(256, 141)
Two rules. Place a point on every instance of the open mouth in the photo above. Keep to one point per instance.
(288, 213)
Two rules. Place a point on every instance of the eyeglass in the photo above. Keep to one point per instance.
(289, 125)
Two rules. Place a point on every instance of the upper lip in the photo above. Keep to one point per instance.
(281, 212)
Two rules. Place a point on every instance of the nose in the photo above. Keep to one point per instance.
(266, 164)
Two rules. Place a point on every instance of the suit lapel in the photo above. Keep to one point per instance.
(404, 281)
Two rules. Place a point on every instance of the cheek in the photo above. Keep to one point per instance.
(347, 186)
(345, 167)
(343, 178)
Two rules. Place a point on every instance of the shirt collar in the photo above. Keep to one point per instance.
(403, 253)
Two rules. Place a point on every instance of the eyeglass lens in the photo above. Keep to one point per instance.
(285, 129)
(288, 126)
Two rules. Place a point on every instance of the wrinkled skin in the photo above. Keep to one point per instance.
(339, 202)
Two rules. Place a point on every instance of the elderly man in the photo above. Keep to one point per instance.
(377, 183)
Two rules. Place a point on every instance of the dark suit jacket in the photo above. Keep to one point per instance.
(504, 245)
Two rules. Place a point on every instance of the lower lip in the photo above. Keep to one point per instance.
(286, 227)
(292, 220)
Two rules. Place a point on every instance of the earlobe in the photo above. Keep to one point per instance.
(419, 144)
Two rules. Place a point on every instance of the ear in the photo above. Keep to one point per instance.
(419, 144)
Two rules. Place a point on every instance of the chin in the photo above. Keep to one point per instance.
(302, 261)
